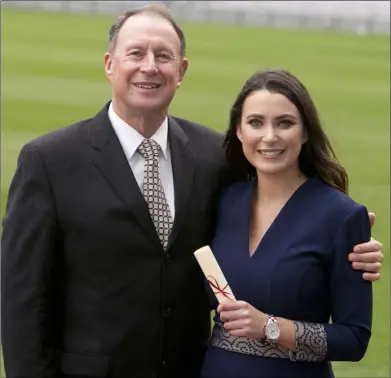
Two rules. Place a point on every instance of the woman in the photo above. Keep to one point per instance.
(283, 236)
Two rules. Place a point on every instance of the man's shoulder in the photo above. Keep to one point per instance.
(195, 129)
(62, 138)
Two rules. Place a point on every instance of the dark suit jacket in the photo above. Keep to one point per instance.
(87, 289)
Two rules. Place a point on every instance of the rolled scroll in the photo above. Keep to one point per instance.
(213, 274)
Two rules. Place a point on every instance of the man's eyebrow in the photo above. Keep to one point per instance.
(134, 45)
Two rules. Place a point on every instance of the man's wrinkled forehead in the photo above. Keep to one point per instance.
(148, 28)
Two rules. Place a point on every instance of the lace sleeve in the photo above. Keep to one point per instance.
(311, 342)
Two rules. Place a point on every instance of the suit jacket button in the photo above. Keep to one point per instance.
(167, 312)
(167, 258)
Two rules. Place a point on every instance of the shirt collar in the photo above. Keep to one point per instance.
(130, 138)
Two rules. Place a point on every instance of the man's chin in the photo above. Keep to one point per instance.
(148, 107)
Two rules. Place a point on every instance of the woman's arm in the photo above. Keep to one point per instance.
(306, 341)
(350, 296)
(347, 338)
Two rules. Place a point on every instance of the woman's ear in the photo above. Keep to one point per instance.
(239, 132)
(305, 136)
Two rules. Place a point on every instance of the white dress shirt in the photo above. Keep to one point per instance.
(130, 139)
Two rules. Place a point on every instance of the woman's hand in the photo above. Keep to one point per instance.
(242, 319)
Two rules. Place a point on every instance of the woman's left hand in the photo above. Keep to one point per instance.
(242, 319)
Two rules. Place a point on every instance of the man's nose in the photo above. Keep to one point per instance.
(149, 64)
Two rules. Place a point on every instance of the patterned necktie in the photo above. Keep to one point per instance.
(153, 190)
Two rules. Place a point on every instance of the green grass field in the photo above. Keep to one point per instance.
(52, 75)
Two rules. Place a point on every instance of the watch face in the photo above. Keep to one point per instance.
(273, 331)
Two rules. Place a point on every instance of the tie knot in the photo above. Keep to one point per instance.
(149, 149)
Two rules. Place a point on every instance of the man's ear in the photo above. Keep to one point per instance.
(182, 70)
(108, 65)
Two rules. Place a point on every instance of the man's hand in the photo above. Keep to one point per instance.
(368, 256)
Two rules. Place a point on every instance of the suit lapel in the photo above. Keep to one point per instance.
(183, 166)
(108, 156)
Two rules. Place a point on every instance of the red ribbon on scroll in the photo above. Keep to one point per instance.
(216, 286)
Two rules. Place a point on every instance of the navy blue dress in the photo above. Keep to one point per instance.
(299, 271)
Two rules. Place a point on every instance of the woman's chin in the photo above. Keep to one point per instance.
(272, 168)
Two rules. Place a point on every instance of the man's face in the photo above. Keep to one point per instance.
(145, 67)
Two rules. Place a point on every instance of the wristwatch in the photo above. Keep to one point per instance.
(271, 331)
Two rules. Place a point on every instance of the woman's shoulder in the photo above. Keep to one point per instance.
(339, 203)
(232, 194)
(237, 189)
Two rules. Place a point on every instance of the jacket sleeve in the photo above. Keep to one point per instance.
(27, 249)
(347, 337)
(350, 295)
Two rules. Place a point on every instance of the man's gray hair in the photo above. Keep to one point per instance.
(158, 9)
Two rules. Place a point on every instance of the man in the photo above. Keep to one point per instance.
(97, 282)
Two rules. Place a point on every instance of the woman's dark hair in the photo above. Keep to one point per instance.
(316, 157)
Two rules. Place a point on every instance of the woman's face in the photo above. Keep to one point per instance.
(271, 132)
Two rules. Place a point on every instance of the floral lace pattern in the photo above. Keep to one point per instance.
(311, 343)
